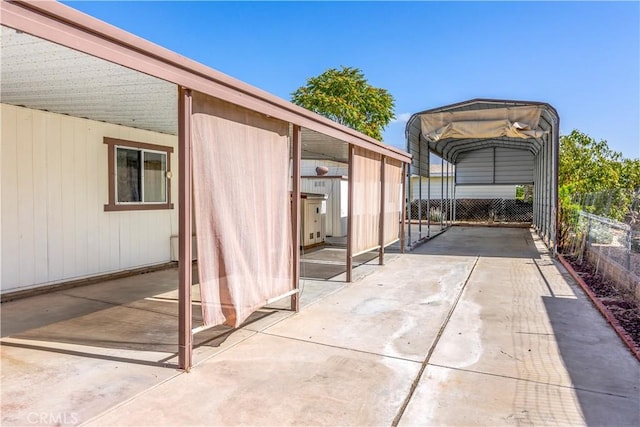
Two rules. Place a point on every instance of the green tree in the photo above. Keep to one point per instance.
(344, 96)
(590, 167)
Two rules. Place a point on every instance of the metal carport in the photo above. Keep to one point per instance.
(494, 142)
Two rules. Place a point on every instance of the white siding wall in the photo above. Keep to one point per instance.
(435, 187)
(308, 167)
(462, 191)
(53, 189)
(336, 190)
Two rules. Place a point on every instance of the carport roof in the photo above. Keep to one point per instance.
(57, 59)
(480, 123)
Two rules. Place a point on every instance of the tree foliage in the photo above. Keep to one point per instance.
(587, 165)
(344, 96)
(589, 168)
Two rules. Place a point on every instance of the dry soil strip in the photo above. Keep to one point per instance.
(624, 336)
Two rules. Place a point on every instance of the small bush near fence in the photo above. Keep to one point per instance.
(612, 247)
(475, 210)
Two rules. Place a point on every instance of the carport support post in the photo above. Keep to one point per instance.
(448, 197)
(295, 215)
(383, 161)
(185, 336)
(441, 193)
(408, 193)
(428, 194)
(403, 211)
(350, 216)
(420, 186)
(455, 179)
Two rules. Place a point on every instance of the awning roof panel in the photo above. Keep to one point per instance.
(42, 75)
(58, 23)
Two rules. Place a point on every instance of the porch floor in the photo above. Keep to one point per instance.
(477, 327)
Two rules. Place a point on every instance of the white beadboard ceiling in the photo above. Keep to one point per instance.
(317, 146)
(38, 74)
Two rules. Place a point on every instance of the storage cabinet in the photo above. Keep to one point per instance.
(312, 227)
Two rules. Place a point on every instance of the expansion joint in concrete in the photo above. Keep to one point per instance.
(416, 380)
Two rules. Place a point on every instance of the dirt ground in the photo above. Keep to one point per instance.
(620, 304)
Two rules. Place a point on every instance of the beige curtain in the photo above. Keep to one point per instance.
(366, 200)
(242, 209)
(393, 200)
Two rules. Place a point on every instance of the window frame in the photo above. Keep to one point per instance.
(113, 204)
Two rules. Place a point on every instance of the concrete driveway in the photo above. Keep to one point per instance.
(476, 327)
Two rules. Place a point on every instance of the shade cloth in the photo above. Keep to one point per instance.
(366, 200)
(515, 122)
(393, 200)
(242, 209)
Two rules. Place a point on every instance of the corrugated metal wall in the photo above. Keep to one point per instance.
(497, 165)
(476, 167)
(513, 166)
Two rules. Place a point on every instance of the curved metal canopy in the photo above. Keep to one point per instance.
(494, 142)
(482, 123)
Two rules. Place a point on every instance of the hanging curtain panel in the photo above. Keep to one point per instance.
(242, 209)
(393, 200)
(366, 200)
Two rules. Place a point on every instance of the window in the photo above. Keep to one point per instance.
(139, 175)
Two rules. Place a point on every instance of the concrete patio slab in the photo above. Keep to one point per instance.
(479, 326)
(525, 346)
(395, 312)
(509, 323)
(461, 398)
(269, 380)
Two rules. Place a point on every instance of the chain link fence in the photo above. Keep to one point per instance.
(474, 210)
(605, 230)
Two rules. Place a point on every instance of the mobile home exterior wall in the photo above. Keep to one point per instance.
(54, 184)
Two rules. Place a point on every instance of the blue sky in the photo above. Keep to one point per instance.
(581, 57)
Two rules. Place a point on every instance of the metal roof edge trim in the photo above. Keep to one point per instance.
(64, 25)
(488, 101)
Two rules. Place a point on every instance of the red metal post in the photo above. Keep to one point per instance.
(383, 161)
(185, 336)
(404, 207)
(350, 216)
(295, 214)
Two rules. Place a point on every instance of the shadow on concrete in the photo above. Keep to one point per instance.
(134, 314)
(59, 306)
(326, 263)
(213, 337)
(609, 395)
(492, 242)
